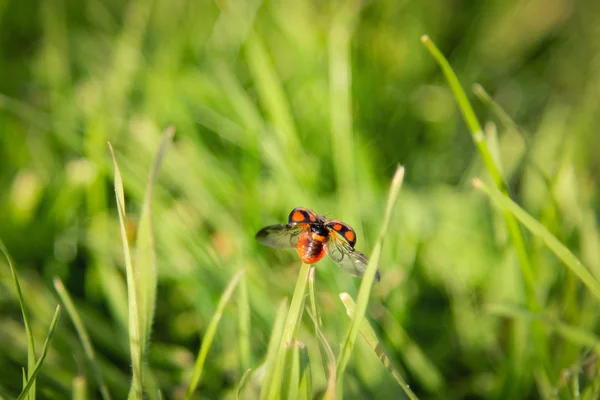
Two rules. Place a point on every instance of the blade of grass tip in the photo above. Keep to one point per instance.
(367, 281)
(145, 254)
(242, 382)
(135, 347)
(370, 337)
(291, 377)
(88, 349)
(292, 322)
(40, 361)
(79, 387)
(506, 120)
(539, 230)
(209, 336)
(305, 385)
(25, 313)
(273, 349)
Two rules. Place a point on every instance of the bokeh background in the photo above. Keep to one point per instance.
(285, 103)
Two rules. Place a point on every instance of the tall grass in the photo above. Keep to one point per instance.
(298, 103)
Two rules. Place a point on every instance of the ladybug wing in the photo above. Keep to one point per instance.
(280, 236)
(352, 261)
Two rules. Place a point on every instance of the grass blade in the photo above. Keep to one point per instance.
(25, 313)
(273, 349)
(370, 337)
(145, 269)
(514, 230)
(292, 322)
(479, 139)
(305, 385)
(79, 388)
(291, 377)
(38, 364)
(88, 349)
(135, 344)
(367, 281)
(210, 333)
(539, 230)
(243, 305)
(326, 351)
(242, 382)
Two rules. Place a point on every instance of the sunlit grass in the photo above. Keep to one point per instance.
(285, 104)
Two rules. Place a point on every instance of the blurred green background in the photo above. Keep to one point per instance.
(288, 103)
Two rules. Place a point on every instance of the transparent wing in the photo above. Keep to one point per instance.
(352, 261)
(280, 236)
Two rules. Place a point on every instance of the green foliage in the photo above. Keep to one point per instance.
(288, 103)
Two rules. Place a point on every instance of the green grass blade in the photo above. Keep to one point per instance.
(292, 322)
(88, 349)
(305, 385)
(291, 376)
(514, 230)
(294, 315)
(145, 269)
(243, 305)
(25, 313)
(79, 387)
(539, 230)
(273, 349)
(370, 337)
(326, 352)
(479, 139)
(135, 347)
(242, 382)
(209, 336)
(503, 116)
(40, 361)
(367, 281)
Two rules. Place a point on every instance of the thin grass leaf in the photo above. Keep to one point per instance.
(327, 355)
(135, 345)
(539, 230)
(367, 281)
(209, 336)
(292, 323)
(25, 313)
(291, 376)
(370, 337)
(40, 361)
(243, 305)
(242, 382)
(88, 349)
(503, 116)
(479, 139)
(145, 269)
(273, 349)
(305, 385)
(79, 388)
(514, 230)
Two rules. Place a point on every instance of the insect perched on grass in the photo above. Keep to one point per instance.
(313, 236)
